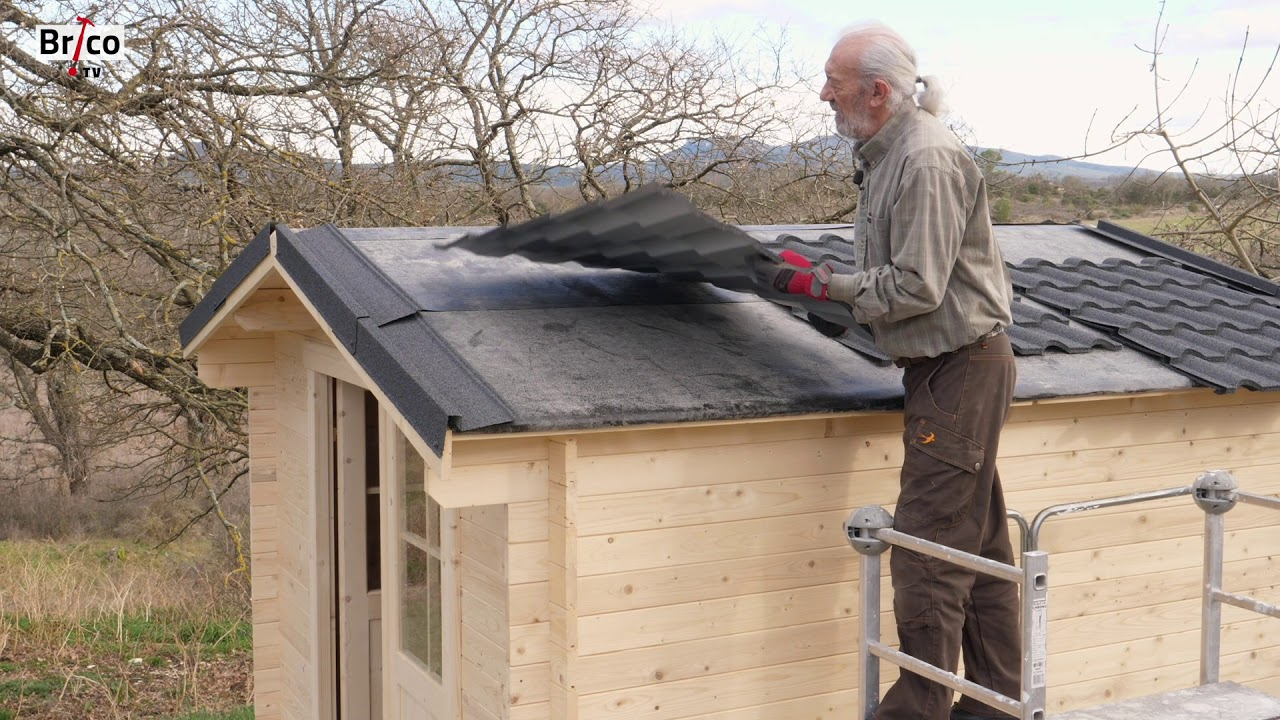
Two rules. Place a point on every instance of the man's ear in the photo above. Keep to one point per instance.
(879, 92)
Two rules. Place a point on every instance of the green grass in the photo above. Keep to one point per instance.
(218, 636)
(240, 713)
(1146, 224)
(42, 688)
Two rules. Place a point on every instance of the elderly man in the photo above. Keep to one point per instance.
(934, 288)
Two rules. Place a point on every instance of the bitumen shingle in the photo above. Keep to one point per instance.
(1206, 326)
(531, 335)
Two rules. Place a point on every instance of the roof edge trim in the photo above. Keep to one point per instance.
(1209, 266)
(249, 259)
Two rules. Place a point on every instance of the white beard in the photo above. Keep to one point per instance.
(858, 127)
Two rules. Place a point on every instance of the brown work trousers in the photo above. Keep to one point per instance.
(956, 405)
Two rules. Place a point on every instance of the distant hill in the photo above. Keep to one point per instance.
(1052, 166)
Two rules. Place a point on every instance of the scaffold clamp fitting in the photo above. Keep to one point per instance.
(860, 526)
(1215, 491)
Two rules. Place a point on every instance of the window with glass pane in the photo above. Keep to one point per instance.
(420, 617)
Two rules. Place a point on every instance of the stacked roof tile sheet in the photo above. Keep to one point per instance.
(1221, 335)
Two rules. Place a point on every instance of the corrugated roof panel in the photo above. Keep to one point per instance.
(1222, 335)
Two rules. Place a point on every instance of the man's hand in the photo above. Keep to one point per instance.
(796, 275)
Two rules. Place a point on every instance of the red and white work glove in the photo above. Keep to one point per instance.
(795, 275)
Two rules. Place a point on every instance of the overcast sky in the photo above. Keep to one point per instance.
(1028, 75)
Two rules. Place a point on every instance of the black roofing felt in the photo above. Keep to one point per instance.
(255, 252)
(508, 343)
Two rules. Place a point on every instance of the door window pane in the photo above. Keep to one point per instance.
(420, 598)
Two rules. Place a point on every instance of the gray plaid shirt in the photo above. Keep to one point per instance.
(932, 278)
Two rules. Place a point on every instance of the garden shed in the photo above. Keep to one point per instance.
(493, 488)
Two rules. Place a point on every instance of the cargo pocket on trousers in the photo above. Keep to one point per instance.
(939, 475)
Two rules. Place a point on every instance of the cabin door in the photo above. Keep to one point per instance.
(356, 602)
(419, 626)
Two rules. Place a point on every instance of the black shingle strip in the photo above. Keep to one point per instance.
(1035, 330)
(1174, 316)
(402, 355)
(432, 386)
(1241, 372)
(1222, 343)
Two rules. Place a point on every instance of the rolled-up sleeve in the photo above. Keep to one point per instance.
(924, 236)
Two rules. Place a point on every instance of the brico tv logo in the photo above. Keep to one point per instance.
(82, 47)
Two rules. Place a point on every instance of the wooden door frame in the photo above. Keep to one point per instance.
(352, 582)
(394, 663)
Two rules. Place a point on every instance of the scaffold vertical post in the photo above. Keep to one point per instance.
(869, 688)
(1035, 633)
(1215, 494)
(1215, 527)
(860, 530)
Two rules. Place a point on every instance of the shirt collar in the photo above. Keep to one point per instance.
(874, 150)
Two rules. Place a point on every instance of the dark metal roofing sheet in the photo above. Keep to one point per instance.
(650, 230)
(1222, 335)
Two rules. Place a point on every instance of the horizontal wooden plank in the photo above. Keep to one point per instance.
(530, 643)
(527, 562)
(1156, 652)
(530, 684)
(702, 504)
(1238, 667)
(492, 484)
(234, 375)
(644, 439)
(527, 521)
(482, 547)
(621, 552)
(536, 711)
(528, 603)
(713, 618)
(1123, 431)
(710, 657)
(1105, 596)
(255, 348)
(697, 467)
(1088, 631)
(274, 310)
(1122, 561)
(486, 655)
(1141, 523)
(488, 621)
(492, 518)
(470, 450)
(705, 581)
(827, 706)
(1032, 501)
(729, 691)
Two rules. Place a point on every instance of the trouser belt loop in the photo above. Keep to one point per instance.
(905, 362)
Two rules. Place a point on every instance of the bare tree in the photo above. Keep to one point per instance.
(123, 197)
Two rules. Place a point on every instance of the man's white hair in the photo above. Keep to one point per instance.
(885, 55)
